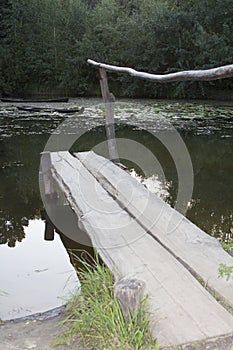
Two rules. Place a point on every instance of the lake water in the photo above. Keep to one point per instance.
(34, 273)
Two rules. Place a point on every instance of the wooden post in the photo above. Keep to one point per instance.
(129, 292)
(49, 227)
(109, 99)
(49, 230)
(46, 176)
(50, 194)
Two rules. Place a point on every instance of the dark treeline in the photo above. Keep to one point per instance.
(44, 45)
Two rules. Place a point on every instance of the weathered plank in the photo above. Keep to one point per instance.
(197, 250)
(182, 311)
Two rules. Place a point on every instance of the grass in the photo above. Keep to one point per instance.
(227, 246)
(95, 315)
(225, 271)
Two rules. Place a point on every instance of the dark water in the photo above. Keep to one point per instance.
(206, 130)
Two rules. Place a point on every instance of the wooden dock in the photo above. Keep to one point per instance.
(139, 236)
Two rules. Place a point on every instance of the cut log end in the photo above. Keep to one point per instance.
(129, 293)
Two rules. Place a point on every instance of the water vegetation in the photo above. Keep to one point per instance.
(194, 110)
(95, 315)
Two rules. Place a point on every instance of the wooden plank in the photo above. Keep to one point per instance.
(182, 311)
(197, 250)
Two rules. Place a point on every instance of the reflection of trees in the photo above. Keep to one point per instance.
(19, 191)
(19, 164)
(212, 161)
(11, 229)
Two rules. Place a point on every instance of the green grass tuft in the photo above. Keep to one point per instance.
(225, 271)
(227, 246)
(95, 315)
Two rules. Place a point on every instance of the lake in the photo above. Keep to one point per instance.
(37, 275)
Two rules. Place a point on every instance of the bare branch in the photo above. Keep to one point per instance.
(207, 74)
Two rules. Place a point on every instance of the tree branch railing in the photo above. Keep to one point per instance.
(207, 74)
(203, 74)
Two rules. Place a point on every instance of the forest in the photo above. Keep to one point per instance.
(44, 45)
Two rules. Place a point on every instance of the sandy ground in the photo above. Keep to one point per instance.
(33, 334)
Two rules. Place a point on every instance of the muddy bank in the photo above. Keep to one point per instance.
(34, 334)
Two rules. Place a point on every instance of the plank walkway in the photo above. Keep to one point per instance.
(139, 236)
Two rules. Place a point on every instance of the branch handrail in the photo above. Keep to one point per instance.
(206, 74)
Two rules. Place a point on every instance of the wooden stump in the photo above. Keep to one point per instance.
(129, 292)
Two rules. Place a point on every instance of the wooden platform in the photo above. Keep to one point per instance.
(138, 235)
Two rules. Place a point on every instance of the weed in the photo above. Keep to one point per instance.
(95, 315)
(225, 271)
(227, 246)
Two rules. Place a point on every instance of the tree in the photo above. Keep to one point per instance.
(45, 43)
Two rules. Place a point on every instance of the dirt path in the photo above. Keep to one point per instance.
(39, 334)
(33, 334)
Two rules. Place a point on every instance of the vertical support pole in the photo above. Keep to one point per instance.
(109, 99)
(49, 227)
(50, 194)
(46, 176)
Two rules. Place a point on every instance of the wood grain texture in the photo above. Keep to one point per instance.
(130, 294)
(200, 252)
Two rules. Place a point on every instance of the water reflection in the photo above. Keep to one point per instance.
(213, 187)
(22, 138)
(206, 130)
(36, 275)
(19, 196)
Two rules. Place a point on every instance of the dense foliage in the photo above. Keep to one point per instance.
(44, 44)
